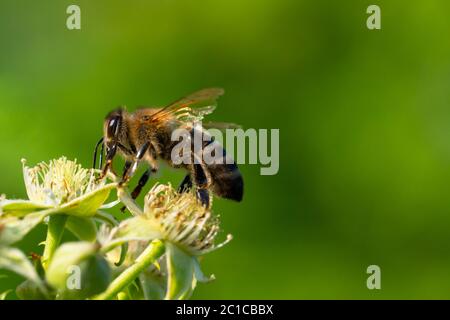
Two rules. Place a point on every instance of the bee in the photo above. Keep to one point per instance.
(145, 135)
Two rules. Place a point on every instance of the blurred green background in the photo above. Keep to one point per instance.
(364, 119)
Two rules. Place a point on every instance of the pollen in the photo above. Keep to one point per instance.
(59, 181)
(182, 219)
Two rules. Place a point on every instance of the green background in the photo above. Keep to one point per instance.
(364, 119)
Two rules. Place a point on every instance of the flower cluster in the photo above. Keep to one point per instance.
(152, 254)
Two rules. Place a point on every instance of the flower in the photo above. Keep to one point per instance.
(61, 186)
(160, 244)
(187, 230)
(172, 216)
(59, 182)
(183, 220)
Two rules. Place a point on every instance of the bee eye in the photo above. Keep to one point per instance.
(113, 126)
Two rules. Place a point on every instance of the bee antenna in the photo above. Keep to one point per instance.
(101, 154)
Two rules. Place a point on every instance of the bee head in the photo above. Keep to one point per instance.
(112, 125)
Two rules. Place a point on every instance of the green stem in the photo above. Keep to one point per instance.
(55, 230)
(146, 258)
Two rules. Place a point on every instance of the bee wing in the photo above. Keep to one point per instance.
(220, 125)
(192, 107)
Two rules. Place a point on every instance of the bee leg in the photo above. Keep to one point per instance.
(186, 184)
(201, 182)
(142, 182)
(131, 168)
(126, 168)
(109, 158)
(204, 197)
(137, 190)
(202, 192)
(128, 171)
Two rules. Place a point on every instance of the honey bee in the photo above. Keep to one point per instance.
(145, 135)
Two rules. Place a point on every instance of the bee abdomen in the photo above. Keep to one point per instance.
(226, 178)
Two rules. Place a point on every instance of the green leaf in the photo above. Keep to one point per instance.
(132, 292)
(14, 260)
(123, 296)
(13, 229)
(151, 254)
(83, 228)
(28, 290)
(87, 205)
(77, 271)
(180, 273)
(153, 286)
(95, 276)
(20, 207)
(65, 257)
(55, 230)
(4, 294)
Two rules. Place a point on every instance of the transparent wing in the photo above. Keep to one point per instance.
(220, 125)
(190, 108)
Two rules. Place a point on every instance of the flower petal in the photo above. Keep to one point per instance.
(138, 228)
(87, 205)
(13, 229)
(153, 286)
(19, 207)
(199, 275)
(180, 273)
